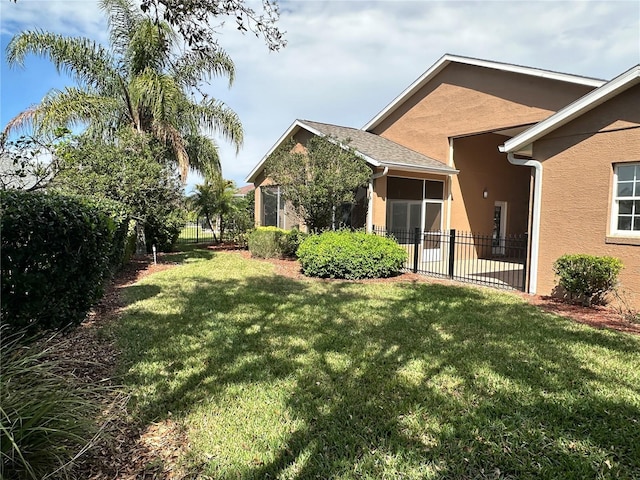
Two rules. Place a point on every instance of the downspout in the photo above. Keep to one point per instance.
(370, 206)
(535, 223)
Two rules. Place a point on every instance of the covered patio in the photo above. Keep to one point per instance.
(452, 254)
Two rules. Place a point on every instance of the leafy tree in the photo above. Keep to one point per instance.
(27, 163)
(240, 218)
(319, 180)
(196, 20)
(131, 170)
(140, 83)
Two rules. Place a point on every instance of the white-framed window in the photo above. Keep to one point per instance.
(625, 212)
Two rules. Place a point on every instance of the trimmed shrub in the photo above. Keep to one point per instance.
(270, 242)
(350, 255)
(46, 417)
(56, 254)
(588, 277)
(264, 242)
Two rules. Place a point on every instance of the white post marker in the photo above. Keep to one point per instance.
(154, 254)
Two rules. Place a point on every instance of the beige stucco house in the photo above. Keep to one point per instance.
(498, 149)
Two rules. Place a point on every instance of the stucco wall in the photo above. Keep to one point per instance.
(482, 166)
(465, 99)
(578, 164)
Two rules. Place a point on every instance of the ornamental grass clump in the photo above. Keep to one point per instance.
(46, 415)
(587, 277)
(350, 255)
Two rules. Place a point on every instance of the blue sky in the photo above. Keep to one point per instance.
(346, 60)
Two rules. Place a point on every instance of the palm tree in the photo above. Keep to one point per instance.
(213, 200)
(139, 83)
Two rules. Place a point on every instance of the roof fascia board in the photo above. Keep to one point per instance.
(447, 59)
(292, 130)
(572, 111)
(413, 168)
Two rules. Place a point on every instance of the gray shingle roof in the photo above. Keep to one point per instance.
(380, 149)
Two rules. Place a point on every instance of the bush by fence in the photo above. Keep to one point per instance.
(57, 252)
(270, 242)
(350, 255)
(587, 277)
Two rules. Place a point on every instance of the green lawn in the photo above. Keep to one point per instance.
(278, 378)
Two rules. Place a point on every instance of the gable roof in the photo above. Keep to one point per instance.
(447, 59)
(581, 106)
(374, 149)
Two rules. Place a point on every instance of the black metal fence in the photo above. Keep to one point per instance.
(197, 231)
(469, 257)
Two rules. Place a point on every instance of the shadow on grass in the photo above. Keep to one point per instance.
(189, 254)
(413, 381)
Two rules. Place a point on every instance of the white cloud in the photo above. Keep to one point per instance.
(346, 60)
(69, 17)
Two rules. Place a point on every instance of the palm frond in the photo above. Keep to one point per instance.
(122, 17)
(156, 96)
(193, 67)
(84, 60)
(65, 108)
(172, 138)
(203, 156)
(22, 121)
(149, 47)
(217, 118)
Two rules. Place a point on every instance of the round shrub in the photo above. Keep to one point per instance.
(588, 277)
(291, 241)
(350, 255)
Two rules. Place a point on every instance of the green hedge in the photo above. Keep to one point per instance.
(57, 252)
(270, 242)
(350, 255)
(587, 277)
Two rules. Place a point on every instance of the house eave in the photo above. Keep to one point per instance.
(420, 169)
(292, 130)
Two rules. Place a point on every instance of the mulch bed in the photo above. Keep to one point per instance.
(133, 451)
